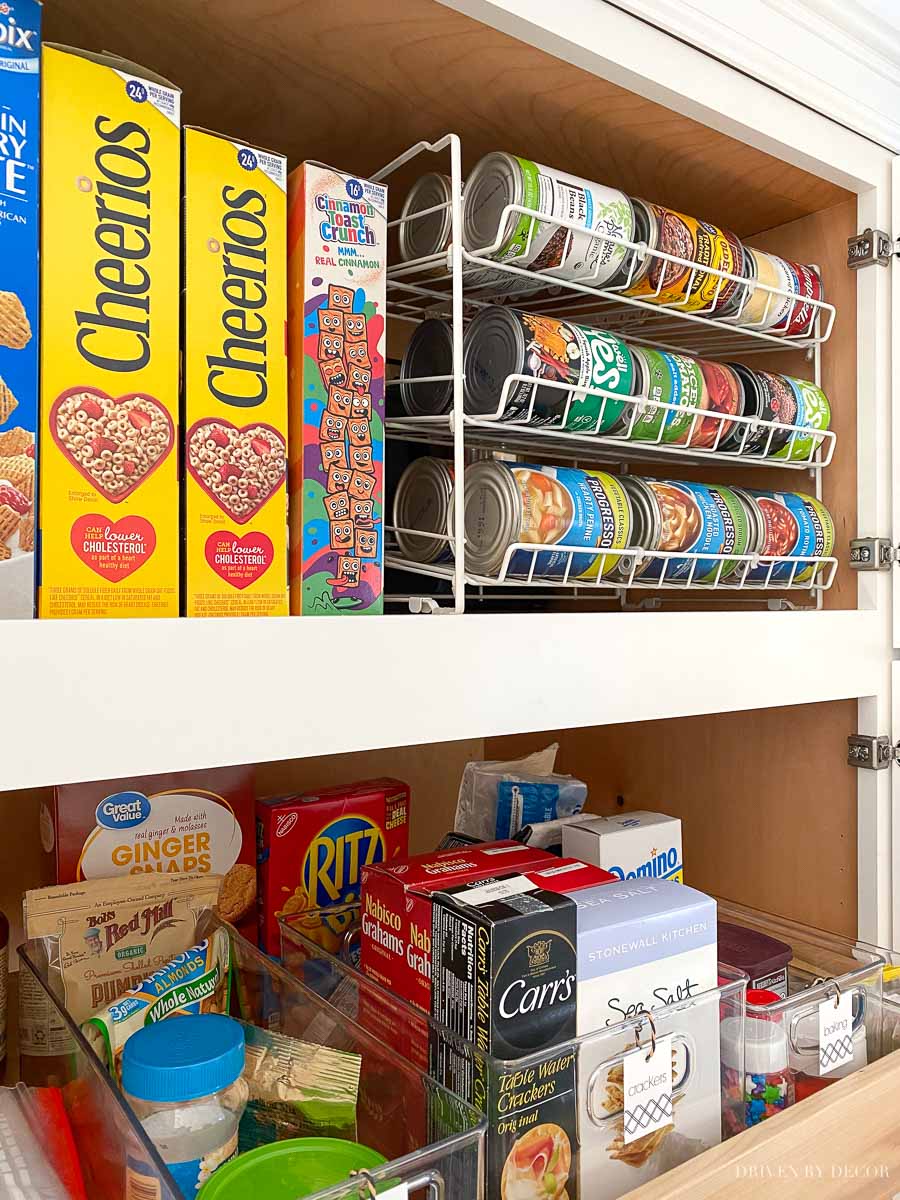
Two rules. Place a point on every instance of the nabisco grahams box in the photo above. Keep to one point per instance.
(337, 270)
(235, 378)
(109, 356)
(396, 909)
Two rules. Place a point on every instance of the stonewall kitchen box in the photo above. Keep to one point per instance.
(235, 378)
(111, 158)
(395, 947)
(20, 96)
(635, 845)
(337, 260)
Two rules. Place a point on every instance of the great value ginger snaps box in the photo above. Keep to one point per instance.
(337, 270)
(235, 378)
(110, 221)
(20, 97)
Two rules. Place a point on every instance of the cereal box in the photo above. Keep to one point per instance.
(109, 542)
(195, 821)
(20, 89)
(337, 232)
(312, 848)
(235, 379)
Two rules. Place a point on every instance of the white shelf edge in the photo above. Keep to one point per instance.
(88, 700)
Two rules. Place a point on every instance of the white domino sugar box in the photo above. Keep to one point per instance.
(634, 845)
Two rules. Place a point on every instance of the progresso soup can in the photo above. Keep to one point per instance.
(668, 379)
(683, 284)
(500, 179)
(813, 413)
(429, 352)
(792, 525)
(501, 342)
(508, 503)
(422, 508)
(677, 515)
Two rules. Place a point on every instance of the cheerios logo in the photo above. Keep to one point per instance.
(336, 857)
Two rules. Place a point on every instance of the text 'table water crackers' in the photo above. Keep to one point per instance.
(20, 57)
(109, 366)
(337, 261)
(235, 378)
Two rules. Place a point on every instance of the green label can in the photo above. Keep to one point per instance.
(668, 379)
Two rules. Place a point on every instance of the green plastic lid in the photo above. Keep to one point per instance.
(289, 1169)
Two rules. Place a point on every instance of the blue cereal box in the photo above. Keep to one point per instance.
(20, 97)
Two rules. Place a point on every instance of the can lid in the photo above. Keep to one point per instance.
(426, 235)
(429, 352)
(183, 1059)
(422, 502)
(494, 349)
(493, 515)
(495, 181)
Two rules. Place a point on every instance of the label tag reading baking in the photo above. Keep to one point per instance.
(648, 1089)
(835, 1033)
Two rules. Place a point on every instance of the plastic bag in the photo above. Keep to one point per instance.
(529, 800)
(477, 803)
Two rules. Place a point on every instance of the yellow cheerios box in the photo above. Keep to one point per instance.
(235, 378)
(109, 544)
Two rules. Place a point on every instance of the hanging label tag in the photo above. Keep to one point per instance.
(835, 1033)
(648, 1089)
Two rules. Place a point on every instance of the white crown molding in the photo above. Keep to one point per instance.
(836, 56)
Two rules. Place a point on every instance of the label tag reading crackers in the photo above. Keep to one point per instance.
(835, 1033)
(648, 1089)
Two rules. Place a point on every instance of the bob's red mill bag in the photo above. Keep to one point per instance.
(96, 940)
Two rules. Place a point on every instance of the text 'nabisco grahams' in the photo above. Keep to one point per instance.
(115, 333)
(238, 376)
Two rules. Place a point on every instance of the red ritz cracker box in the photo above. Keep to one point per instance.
(196, 821)
(396, 909)
(312, 849)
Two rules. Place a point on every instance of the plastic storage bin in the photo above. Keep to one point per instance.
(602, 1167)
(395, 1112)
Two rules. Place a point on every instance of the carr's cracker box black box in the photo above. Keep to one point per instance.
(20, 99)
(504, 981)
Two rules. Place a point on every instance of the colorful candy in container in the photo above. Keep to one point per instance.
(766, 1086)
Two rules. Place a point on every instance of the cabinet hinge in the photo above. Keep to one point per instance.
(870, 246)
(871, 753)
(872, 554)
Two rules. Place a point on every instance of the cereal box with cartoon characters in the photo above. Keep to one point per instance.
(20, 91)
(337, 259)
(311, 850)
(234, 379)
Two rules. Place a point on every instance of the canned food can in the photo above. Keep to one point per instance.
(428, 352)
(668, 379)
(807, 286)
(682, 284)
(637, 263)
(726, 396)
(794, 526)
(421, 237)
(508, 503)
(813, 413)
(768, 397)
(734, 300)
(502, 341)
(500, 179)
(696, 518)
(765, 309)
(422, 503)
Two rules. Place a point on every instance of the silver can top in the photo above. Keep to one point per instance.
(493, 516)
(429, 235)
(422, 502)
(495, 181)
(428, 352)
(494, 349)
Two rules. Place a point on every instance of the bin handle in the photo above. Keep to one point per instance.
(433, 1180)
(601, 1071)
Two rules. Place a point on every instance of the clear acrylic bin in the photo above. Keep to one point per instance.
(395, 1112)
(706, 1109)
(823, 968)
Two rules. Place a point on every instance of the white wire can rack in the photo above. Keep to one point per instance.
(444, 285)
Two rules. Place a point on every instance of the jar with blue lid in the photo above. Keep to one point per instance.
(183, 1077)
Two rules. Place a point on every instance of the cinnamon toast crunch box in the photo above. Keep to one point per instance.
(337, 261)
(111, 155)
(235, 378)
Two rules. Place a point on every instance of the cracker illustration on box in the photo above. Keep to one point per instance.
(336, 267)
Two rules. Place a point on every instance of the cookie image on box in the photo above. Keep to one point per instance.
(8, 402)
(334, 454)
(366, 543)
(341, 535)
(333, 372)
(15, 330)
(359, 433)
(354, 327)
(356, 355)
(340, 402)
(337, 505)
(361, 486)
(237, 894)
(331, 345)
(347, 572)
(338, 479)
(361, 406)
(340, 297)
(361, 459)
(332, 428)
(362, 513)
(360, 378)
(331, 320)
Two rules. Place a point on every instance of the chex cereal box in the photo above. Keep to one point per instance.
(337, 260)
(20, 96)
(312, 848)
(395, 943)
(235, 379)
(108, 510)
